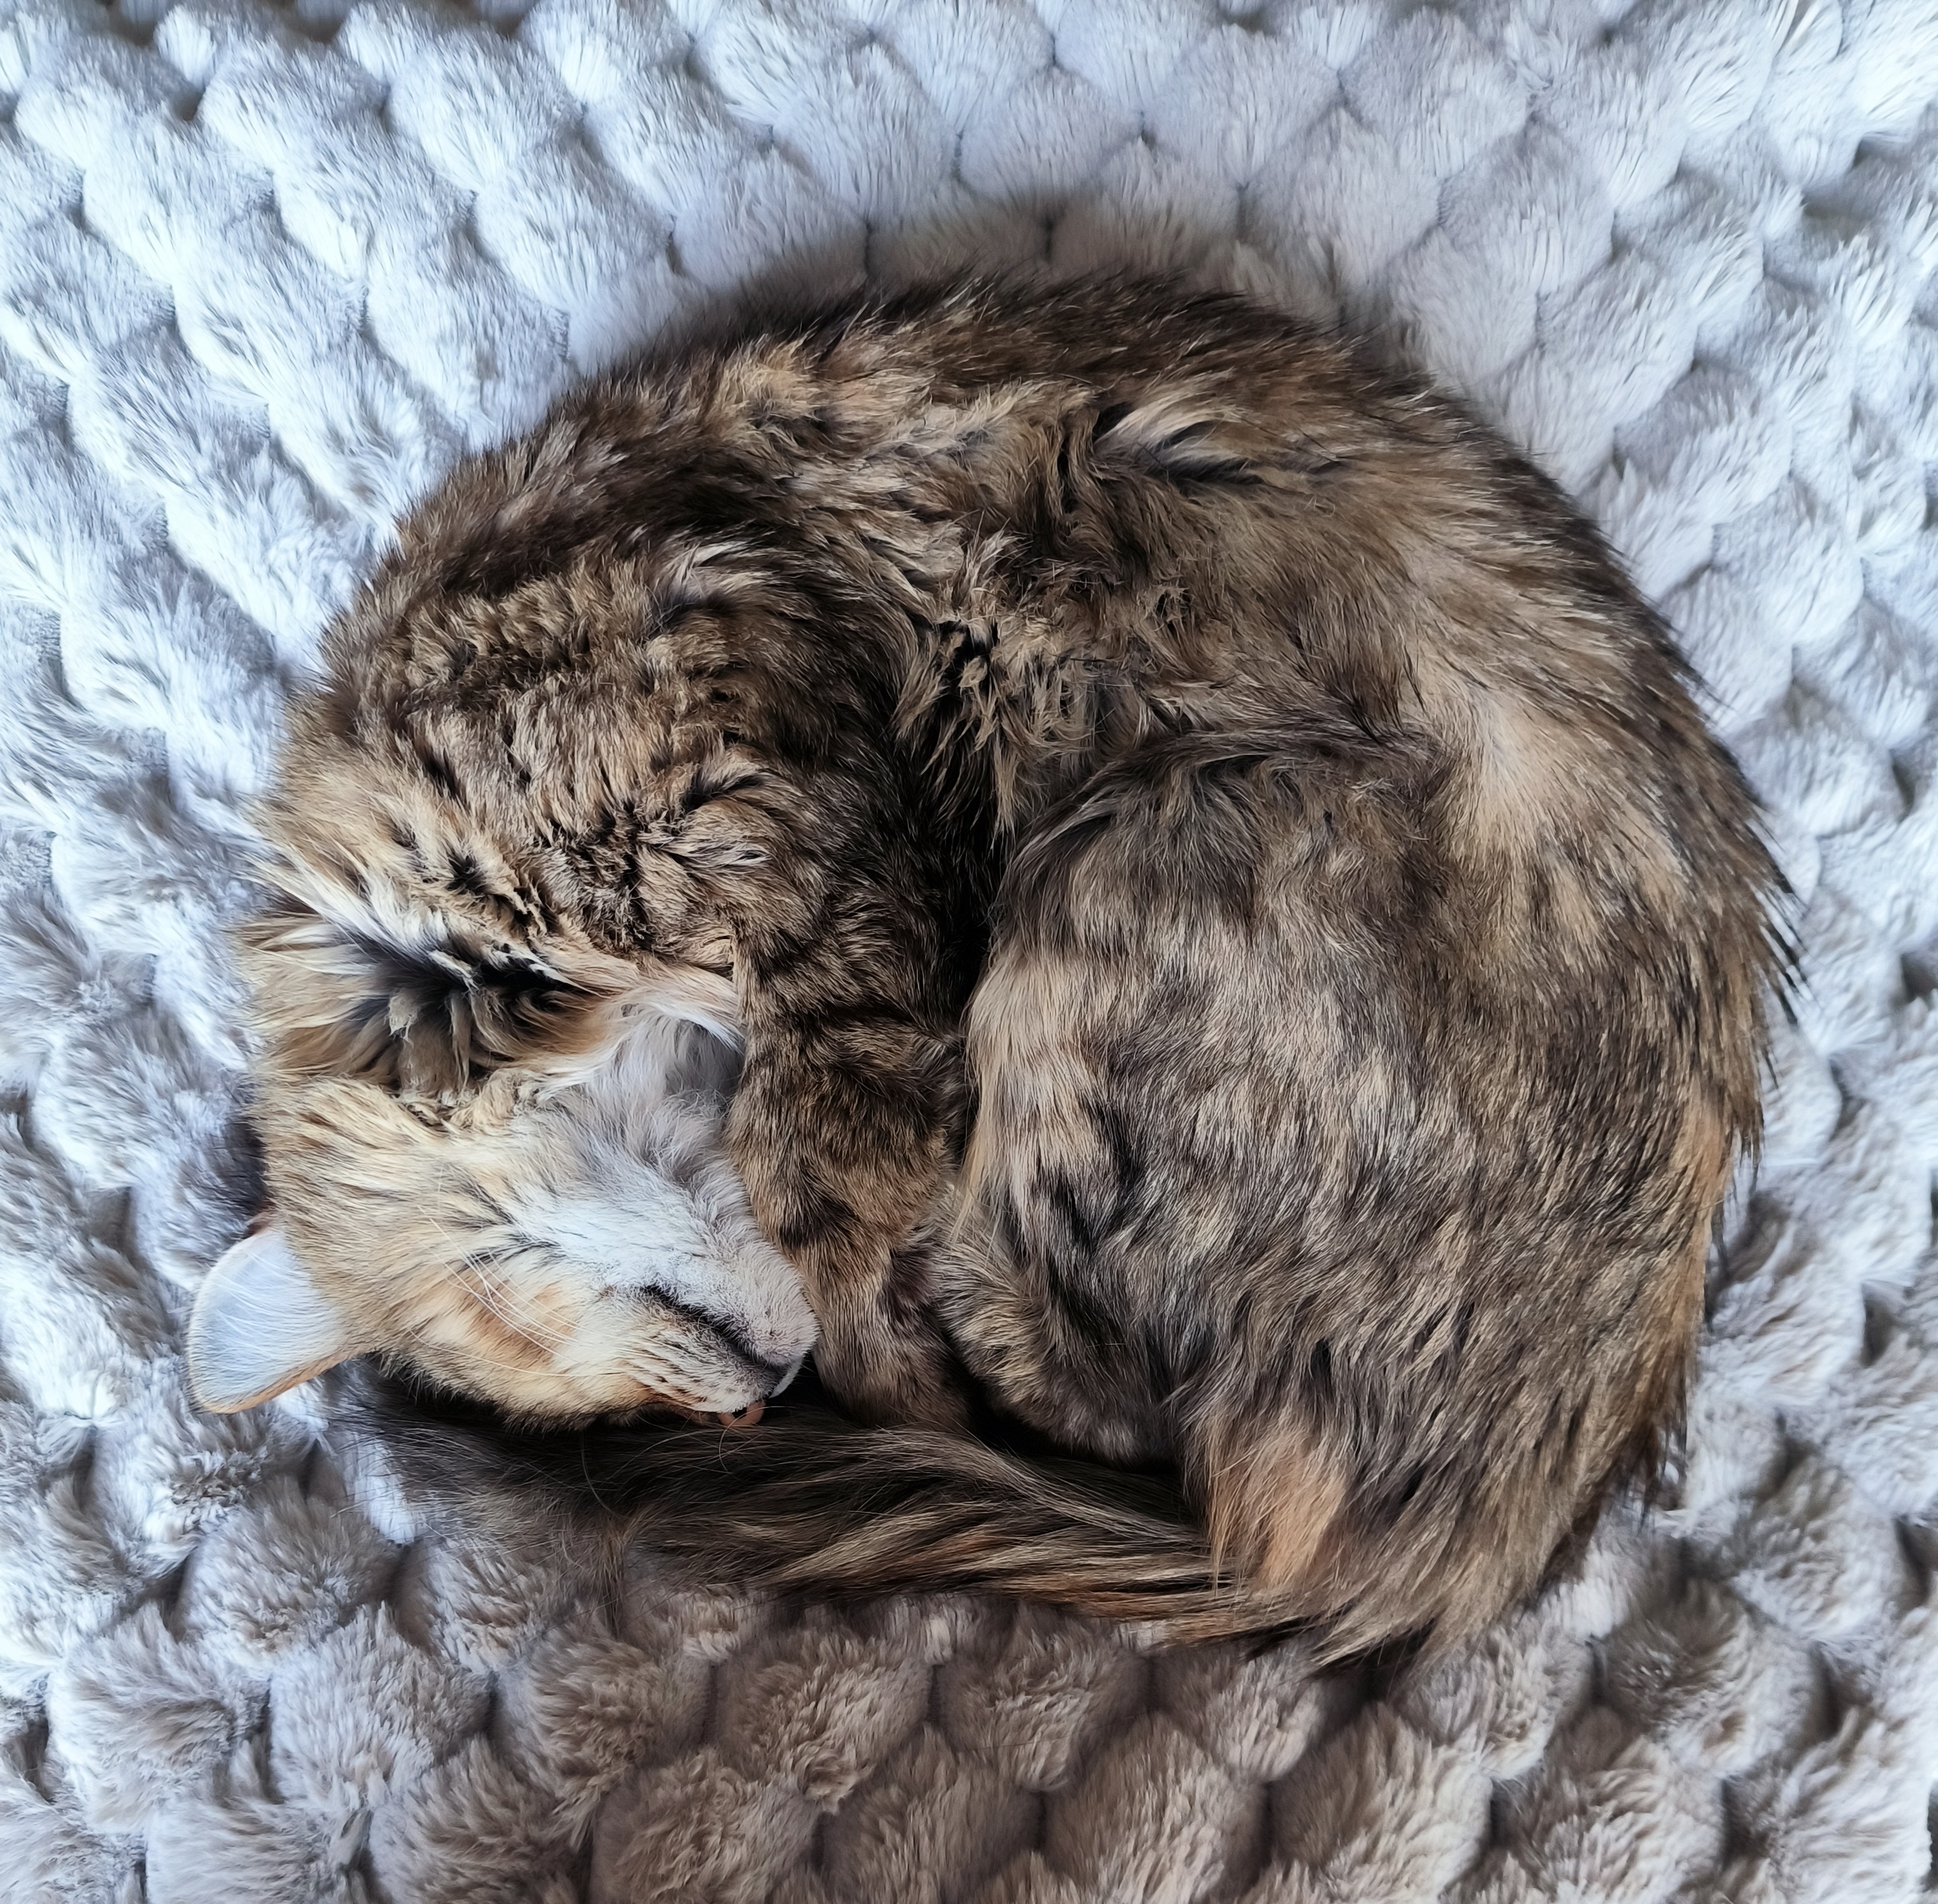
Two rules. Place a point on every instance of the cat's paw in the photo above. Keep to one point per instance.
(893, 1377)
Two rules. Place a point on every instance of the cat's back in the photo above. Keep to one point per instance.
(1021, 531)
(1190, 488)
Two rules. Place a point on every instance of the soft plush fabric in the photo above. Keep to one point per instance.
(264, 272)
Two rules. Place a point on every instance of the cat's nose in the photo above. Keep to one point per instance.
(783, 1373)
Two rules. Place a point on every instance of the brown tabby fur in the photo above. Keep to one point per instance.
(1241, 939)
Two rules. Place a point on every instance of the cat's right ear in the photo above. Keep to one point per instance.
(260, 1325)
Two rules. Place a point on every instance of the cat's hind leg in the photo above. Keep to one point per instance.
(1151, 1064)
(1292, 1165)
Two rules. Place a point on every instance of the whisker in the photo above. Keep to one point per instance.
(492, 1301)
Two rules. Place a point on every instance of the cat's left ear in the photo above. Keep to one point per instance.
(260, 1325)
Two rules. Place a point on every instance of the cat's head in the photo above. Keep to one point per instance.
(494, 1153)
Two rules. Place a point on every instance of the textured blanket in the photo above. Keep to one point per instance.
(264, 271)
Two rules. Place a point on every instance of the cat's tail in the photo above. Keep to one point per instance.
(810, 1501)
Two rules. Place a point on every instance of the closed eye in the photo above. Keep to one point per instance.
(727, 1330)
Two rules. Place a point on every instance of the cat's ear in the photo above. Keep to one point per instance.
(260, 1325)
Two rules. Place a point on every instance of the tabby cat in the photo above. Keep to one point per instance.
(1138, 870)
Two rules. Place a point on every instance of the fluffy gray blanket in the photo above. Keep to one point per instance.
(265, 271)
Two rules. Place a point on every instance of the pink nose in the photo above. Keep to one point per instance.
(743, 1418)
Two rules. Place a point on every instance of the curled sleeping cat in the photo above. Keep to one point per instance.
(1134, 868)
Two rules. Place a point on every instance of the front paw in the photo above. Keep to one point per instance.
(893, 1377)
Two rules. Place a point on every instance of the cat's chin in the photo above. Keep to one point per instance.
(649, 1408)
(743, 1418)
